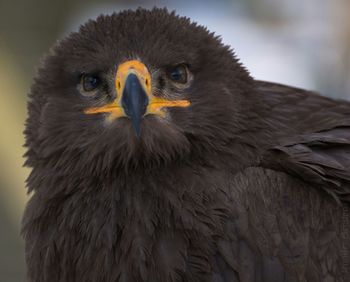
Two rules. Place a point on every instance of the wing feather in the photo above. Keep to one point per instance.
(314, 139)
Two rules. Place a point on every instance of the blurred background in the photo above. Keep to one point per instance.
(305, 43)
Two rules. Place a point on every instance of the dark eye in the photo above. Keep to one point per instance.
(178, 73)
(90, 82)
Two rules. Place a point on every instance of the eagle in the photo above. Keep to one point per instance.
(156, 157)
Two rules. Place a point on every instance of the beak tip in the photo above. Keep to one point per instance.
(138, 133)
(136, 123)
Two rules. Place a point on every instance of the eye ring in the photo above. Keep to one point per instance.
(89, 82)
(178, 73)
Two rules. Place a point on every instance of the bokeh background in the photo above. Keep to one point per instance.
(305, 43)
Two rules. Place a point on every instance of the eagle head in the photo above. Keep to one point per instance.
(135, 89)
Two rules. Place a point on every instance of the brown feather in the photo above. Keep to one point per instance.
(249, 183)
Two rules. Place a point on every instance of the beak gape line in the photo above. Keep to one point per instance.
(134, 96)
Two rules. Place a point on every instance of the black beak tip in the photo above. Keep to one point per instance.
(137, 128)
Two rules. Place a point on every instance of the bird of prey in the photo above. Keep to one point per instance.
(156, 157)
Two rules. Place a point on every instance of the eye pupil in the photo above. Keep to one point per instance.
(178, 74)
(90, 82)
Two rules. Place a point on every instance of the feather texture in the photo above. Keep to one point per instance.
(249, 183)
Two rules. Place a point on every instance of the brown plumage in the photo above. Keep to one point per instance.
(233, 180)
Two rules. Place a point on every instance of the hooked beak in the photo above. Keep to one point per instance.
(134, 101)
(134, 96)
